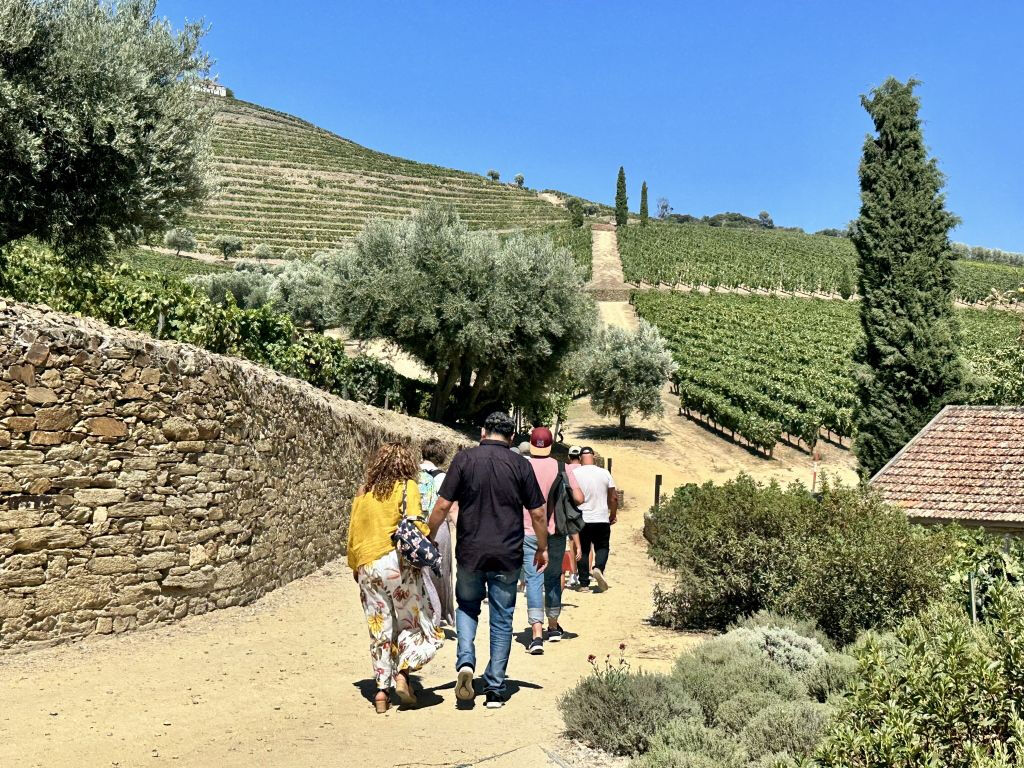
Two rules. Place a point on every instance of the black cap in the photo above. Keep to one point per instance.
(586, 450)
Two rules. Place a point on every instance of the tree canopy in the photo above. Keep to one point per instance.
(102, 136)
(492, 319)
(908, 366)
(643, 205)
(627, 372)
(621, 200)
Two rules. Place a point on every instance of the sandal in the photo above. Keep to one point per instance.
(404, 689)
(381, 705)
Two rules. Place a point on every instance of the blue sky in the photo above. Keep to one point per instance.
(737, 106)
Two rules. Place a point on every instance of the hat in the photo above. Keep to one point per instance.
(541, 441)
(586, 450)
(575, 450)
(524, 448)
(515, 449)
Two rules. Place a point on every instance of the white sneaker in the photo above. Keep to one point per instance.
(464, 685)
(602, 583)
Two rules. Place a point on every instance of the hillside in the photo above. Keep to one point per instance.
(697, 254)
(287, 183)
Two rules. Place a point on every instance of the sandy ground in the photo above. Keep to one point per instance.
(284, 682)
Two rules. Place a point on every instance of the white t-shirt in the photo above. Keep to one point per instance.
(595, 483)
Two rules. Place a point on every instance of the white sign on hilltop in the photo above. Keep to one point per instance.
(214, 89)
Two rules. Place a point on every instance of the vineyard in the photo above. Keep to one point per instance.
(286, 183)
(767, 369)
(696, 254)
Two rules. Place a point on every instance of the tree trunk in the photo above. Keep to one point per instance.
(443, 391)
(622, 423)
(478, 386)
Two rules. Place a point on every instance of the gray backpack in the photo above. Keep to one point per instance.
(568, 517)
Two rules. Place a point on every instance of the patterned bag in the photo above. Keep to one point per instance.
(417, 550)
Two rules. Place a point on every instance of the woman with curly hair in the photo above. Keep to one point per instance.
(403, 633)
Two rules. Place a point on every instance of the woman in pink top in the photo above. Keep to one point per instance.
(546, 585)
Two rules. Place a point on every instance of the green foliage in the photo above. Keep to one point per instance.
(734, 713)
(575, 207)
(908, 366)
(311, 291)
(791, 651)
(180, 239)
(520, 180)
(493, 175)
(700, 254)
(846, 560)
(685, 742)
(643, 205)
(771, 620)
(166, 307)
(830, 675)
(765, 220)
(627, 372)
(263, 251)
(760, 367)
(228, 245)
(290, 254)
(491, 319)
(789, 727)
(248, 287)
(621, 200)
(619, 711)
(943, 694)
(103, 140)
(722, 667)
(992, 560)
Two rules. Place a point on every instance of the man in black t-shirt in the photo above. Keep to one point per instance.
(492, 485)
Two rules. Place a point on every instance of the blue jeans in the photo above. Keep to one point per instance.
(546, 586)
(500, 589)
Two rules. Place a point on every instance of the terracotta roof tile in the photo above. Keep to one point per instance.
(967, 464)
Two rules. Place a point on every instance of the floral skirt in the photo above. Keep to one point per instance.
(403, 632)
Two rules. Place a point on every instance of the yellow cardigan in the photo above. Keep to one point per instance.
(374, 521)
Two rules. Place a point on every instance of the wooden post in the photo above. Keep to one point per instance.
(609, 467)
(657, 491)
(974, 604)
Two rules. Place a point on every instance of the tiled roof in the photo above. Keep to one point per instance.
(967, 464)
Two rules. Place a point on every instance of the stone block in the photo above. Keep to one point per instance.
(194, 581)
(67, 595)
(26, 374)
(37, 354)
(104, 625)
(40, 396)
(12, 519)
(133, 509)
(133, 392)
(24, 577)
(229, 576)
(35, 539)
(191, 446)
(55, 419)
(158, 561)
(110, 566)
(11, 607)
(106, 426)
(19, 424)
(177, 428)
(14, 458)
(46, 438)
(99, 497)
(149, 376)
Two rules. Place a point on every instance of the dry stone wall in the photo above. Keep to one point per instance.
(142, 481)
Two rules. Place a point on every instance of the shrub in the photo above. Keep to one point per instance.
(263, 251)
(734, 714)
(792, 652)
(830, 675)
(790, 727)
(802, 626)
(846, 560)
(290, 254)
(721, 668)
(575, 207)
(249, 287)
(520, 180)
(619, 711)
(493, 175)
(941, 692)
(690, 743)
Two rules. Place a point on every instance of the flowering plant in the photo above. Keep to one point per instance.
(610, 670)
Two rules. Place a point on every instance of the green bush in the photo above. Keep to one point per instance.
(845, 560)
(249, 287)
(620, 711)
(789, 727)
(802, 626)
(792, 652)
(722, 667)
(831, 675)
(733, 714)
(941, 693)
(690, 743)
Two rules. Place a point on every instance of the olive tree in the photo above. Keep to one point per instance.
(627, 372)
(263, 251)
(180, 239)
(102, 136)
(519, 179)
(492, 319)
(228, 245)
(310, 291)
(493, 175)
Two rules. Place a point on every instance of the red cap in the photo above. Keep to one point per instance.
(541, 441)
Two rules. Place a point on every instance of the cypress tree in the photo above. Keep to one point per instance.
(907, 366)
(643, 205)
(621, 201)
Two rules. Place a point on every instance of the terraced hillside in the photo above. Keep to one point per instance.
(696, 254)
(287, 183)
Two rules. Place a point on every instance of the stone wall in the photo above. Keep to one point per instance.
(142, 481)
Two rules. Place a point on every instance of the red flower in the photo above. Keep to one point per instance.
(591, 658)
(622, 646)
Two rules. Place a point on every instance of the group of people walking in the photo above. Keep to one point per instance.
(513, 517)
